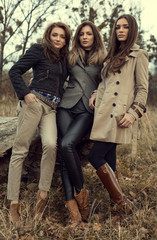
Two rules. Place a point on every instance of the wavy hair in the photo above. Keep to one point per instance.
(98, 51)
(49, 50)
(116, 54)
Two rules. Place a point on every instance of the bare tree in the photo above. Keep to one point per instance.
(19, 19)
(101, 12)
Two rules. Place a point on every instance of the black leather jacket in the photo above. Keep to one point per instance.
(47, 77)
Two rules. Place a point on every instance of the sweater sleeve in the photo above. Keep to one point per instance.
(141, 76)
(30, 59)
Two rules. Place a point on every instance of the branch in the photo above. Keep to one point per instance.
(25, 18)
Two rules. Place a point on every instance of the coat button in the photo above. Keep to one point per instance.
(115, 93)
(113, 104)
(117, 82)
(111, 115)
(119, 71)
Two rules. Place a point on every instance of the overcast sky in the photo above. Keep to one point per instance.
(149, 16)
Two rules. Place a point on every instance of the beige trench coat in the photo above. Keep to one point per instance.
(114, 98)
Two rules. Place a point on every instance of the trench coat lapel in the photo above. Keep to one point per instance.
(134, 52)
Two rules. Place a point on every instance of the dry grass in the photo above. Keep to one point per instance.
(137, 178)
(8, 108)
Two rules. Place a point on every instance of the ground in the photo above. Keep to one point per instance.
(137, 177)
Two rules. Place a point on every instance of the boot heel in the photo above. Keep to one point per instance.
(40, 207)
(14, 213)
(74, 214)
(83, 201)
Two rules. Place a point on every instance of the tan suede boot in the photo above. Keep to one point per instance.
(40, 206)
(74, 214)
(83, 203)
(14, 213)
(110, 182)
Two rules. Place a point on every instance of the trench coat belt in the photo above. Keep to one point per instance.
(137, 111)
(50, 103)
(140, 105)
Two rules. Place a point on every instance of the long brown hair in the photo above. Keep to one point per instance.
(49, 50)
(98, 51)
(116, 55)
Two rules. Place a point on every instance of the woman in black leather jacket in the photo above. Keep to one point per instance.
(37, 108)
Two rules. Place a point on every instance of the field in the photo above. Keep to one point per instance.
(137, 177)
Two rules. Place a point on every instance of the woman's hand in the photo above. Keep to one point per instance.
(92, 101)
(29, 98)
(126, 121)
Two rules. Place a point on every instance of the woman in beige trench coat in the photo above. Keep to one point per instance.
(119, 101)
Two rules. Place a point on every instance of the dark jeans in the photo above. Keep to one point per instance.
(103, 152)
(72, 127)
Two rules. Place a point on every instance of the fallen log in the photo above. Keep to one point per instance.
(7, 133)
(32, 162)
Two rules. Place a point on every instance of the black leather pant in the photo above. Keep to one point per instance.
(72, 127)
(101, 153)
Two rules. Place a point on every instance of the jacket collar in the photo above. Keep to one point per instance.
(134, 50)
(134, 53)
(79, 62)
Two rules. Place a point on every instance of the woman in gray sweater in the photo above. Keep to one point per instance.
(74, 117)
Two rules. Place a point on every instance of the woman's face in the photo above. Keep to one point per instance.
(122, 30)
(57, 37)
(86, 37)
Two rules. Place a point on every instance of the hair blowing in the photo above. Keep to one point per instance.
(49, 50)
(116, 54)
(98, 51)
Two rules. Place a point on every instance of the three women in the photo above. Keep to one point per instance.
(119, 100)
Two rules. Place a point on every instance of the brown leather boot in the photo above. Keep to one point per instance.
(117, 175)
(14, 213)
(83, 203)
(40, 206)
(112, 203)
(74, 214)
(110, 182)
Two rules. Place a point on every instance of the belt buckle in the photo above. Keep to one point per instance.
(54, 99)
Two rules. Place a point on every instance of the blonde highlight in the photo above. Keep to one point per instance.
(97, 53)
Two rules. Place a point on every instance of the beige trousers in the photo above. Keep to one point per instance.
(30, 117)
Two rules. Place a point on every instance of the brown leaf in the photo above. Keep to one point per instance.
(27, 238)
(97, 226)
(140, 213)
(143, 230)
(145, 194)
(133, 179)
(115, 218)
(132, 193)
(41, 233)
(51, 219)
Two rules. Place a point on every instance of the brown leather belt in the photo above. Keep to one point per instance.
(140, 105)
(137, 111)
(50, 103)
